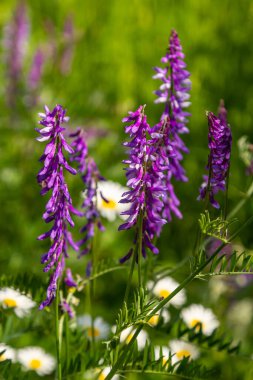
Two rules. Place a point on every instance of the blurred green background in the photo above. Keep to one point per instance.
(116, 44)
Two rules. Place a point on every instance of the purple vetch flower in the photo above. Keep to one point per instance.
(69, 280)
(80, 150)
(59, 206)
(90, 177)
(163, 152)
(151, 195)
(174, 92)
(219, 143)
(35, 73)
(15, 42)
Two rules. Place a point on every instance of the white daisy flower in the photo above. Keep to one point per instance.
(8, 353)
(164, 287)
(13, 299)
(163, 352)
(180, 349)
(108, 196)
(127, 334)
(36, 359)
(164, 314)
(101, 328)
(195, 314)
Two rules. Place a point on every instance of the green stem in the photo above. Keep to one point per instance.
(134, 256)
(199, 235)
(8, 329)
(226, 196)
(161, 304)
(91, 298)
(67, 341)
(140, 247)
(57, 334)
(93, 284)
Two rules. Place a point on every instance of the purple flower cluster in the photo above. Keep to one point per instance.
(174, 92)
(145, 177)
(219, 143)
(59, 206)
(15, 41)
(90, 177)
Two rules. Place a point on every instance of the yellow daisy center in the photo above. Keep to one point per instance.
(35, 364)
(101, 376)
(153, 320)
(164, 293)
(9, 302)
(93, 332)
(110, 204)
(183, 354)
(196, 322)
(2, 357)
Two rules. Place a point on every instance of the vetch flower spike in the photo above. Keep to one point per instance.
(90, 177)
(174, 92)
(59, 206)
(151, 195)
(219, 143)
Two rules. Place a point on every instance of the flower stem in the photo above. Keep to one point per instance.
(140, 247)
(161, 304)
(67, 341)
(226, 196)
(92, 284)
(137, 254)
(199, 235)
(57, 335)
(91, 299)
(130, 275)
